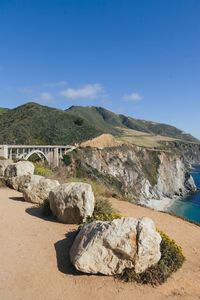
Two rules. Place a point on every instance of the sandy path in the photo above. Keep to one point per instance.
(34, 264)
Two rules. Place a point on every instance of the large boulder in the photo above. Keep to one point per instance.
(19, 169)
(39, 192)
(110, 247)
(3, 165)
(20, 183)
(72, 202)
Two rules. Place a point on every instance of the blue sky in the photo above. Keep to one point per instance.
(136, 57)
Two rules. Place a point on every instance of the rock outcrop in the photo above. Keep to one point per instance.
(19, 169)
(110, 247)
(148, 245)
(72, 202)
(173, 178)
(39, 192)
(20, 183)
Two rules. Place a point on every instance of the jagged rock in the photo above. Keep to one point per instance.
(189, 183)
(3, 165)
(148, 245)
(173, 178)
(39, 192)
(72, 202)
(20, 183)
(110, 247)
(19, 169)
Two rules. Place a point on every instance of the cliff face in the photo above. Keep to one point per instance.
(137, 172)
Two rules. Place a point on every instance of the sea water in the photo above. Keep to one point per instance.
(189, 207)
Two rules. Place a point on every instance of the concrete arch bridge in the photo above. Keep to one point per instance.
(52, 154)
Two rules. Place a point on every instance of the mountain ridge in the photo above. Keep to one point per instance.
(36, 123)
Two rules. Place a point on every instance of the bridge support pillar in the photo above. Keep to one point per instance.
(55, 157)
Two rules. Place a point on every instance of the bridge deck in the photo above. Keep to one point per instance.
(37, 146)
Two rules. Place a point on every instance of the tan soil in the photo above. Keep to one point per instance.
(102, 141)
(34, 258)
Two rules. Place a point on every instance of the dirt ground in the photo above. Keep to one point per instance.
(34, 260)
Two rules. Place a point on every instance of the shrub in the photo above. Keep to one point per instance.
(42, 170)
(34, 158)
(103, 211)
(67, 159)
(78, 122)
(171, 260)
(2, 158)
(98, 188)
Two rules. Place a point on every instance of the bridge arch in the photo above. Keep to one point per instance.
(39, 153)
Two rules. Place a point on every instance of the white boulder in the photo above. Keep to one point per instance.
(72, 202)
(20, 183)
(19, 169)
(110, 247)
(148, 245)
(39, 192)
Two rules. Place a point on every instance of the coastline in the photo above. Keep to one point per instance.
(159, 204)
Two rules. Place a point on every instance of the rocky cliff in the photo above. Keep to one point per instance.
(136, 172)
(189, 151)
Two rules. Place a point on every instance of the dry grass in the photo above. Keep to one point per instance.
(129, 136)
(99, 189)
(102, 141)
(142, 138)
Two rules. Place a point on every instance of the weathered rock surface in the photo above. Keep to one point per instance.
(189, 183)
(72, 202)
(148, 245)
(39, 192)
(19, 169)
(173, 178)
(3, 165)
(3, 182)
(20, 183)
(110, 247)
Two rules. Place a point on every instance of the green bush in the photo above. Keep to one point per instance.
(103, 211)
(67, 159)
(98, 188)
(79, 122)
(2, 158)
(42, 170)
(171, 260)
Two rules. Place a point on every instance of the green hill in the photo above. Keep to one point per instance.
(32, 123)
(36, 124)
(2, 111)
(108, 121)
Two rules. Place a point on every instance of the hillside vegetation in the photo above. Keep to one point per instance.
(2, 111)
(36, 124)
(109, 121)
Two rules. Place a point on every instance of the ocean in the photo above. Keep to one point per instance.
(189, 207)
